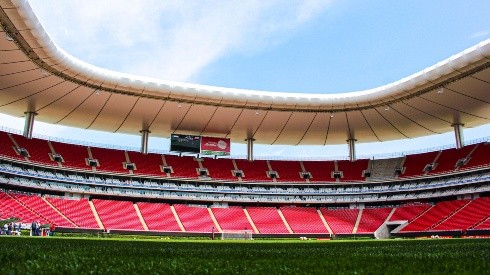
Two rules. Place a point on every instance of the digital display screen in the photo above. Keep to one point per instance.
(185, 143)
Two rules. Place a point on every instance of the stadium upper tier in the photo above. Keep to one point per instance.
(103, 161)
(38, 76)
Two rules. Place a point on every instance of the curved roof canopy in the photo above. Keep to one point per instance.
(37, 76)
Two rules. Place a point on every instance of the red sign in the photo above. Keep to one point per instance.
(215, 146)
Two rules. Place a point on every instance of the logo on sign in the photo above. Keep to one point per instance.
(222, 145)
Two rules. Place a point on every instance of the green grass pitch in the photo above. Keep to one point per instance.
(31, 255)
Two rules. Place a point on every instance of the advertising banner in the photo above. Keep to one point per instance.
(215, 146)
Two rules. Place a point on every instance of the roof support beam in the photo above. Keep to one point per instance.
(352, 149)
(29, 124)
(145, 134)
(458, 133)
(250, 149)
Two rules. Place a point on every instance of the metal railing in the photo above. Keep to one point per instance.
(257, 157)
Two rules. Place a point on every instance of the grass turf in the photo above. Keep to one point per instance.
(24, 255)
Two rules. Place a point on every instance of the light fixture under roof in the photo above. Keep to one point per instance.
(8, 37)
(440, 90)
(97, 92)
(387, 108)
(44, 72)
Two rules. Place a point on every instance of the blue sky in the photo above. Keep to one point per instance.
(289, 46)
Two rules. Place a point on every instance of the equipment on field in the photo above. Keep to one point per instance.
(236, 235)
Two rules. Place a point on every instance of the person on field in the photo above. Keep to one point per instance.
(16, 229)
(33, 228)
(51, 229)
(38, 228)
(9, 229)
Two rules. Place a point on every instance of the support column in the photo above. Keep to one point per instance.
(458, 133)
(144, 141)
(250, 149)
(29, 124)
(352, 149)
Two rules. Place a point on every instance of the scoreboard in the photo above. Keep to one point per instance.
(200, 145)
(185, 143)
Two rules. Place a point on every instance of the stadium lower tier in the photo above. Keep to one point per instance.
(46, 180)
(105, 214)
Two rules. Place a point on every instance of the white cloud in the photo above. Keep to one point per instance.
(173, 40)
(479, 34)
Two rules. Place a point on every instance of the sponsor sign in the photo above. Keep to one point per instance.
(215, 146)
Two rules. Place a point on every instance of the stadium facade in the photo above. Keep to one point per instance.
(82, 188)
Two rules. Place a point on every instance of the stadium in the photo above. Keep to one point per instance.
(197, 190)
